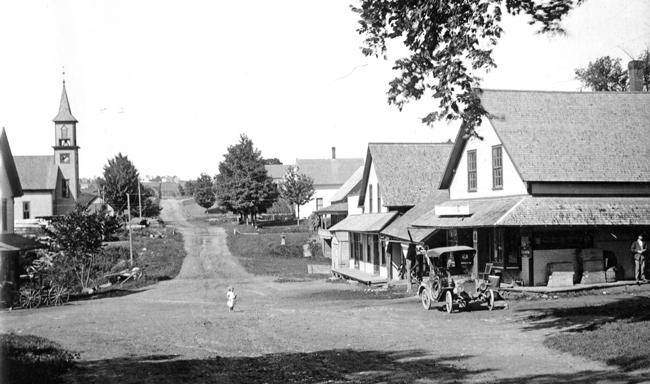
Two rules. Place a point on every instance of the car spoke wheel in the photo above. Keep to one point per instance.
(449, 302)
(490, 300)
(435, 289)
(427, 303)
(30, 298)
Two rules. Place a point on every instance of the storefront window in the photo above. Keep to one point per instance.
(507, 248)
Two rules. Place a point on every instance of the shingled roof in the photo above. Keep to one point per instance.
(573, 136)
(37, 172)
(406, 172)
(482, 213)
(10, 165)
(399, 228)
(369, 222)
(350, 185)
(328, 171)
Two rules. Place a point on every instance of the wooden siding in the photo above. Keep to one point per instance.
(372, 180)
(512, 183)
(542, 258)
(41, 204)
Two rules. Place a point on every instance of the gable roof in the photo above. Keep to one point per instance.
(65, 114)
(9, 165)
(400, 228)
(276, 171)
(349, 186)
(570, 136)
(406, 172)
(37, 172)
(328, 171)
(368, 222)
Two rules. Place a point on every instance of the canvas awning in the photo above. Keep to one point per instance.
(334, 209)
(369, 222)
(12, 242)
(482, 213)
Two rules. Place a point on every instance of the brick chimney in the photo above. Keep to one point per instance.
(333, 153)
(635, 73)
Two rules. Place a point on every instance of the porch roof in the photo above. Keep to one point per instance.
(399, 229)
(580, 211)
(337, 208)
(12, 242)
(482, 213)
(368, 222)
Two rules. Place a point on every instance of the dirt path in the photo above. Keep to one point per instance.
(186, 319)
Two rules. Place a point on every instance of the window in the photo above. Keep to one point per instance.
(471, 171)
(370, 198)
(497, 168)
(64, 132)
(64, 158)
(319, 203)
(65, 188)
(378, 200)
(5, 212)
(65, 142)
(26, 210)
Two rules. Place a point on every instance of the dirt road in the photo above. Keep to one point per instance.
(336, 327)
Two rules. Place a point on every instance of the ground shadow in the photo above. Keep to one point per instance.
(587, 316)
(107, 294)
(332, 366)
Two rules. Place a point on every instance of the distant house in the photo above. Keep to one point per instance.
(560, 182)
(10, 243)
(51, 183)
(396, 178)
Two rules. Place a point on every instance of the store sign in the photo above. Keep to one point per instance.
(457, 210)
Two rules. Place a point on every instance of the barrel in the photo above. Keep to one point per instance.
(610, 275)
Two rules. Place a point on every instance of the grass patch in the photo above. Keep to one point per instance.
(262, 253)
(616, 333)
(159, 250)
(32, 359)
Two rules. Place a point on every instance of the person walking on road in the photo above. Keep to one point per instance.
(231, 298)
(639, 248)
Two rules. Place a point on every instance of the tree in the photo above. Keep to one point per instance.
(447, 40)
(604, 74)
(645, 57)
(204, 192)
(121, 178)
(189, 188)
(78, 238)
(242, 185)
(297, 188)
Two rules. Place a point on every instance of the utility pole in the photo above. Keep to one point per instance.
(128, 202)
(140, 200)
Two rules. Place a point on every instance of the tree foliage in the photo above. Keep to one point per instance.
(121, 178)
(204, 194)
(603, 74)
(77, 240)
(242, 185)
(273, 161)
(448, 41)
(297, 189)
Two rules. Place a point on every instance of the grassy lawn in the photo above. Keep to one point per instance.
(617, 333)
(32, 359)
(261, 253)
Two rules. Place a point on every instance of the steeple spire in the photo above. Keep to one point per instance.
(65, 114)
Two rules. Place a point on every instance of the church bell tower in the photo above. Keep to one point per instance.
(66, 151)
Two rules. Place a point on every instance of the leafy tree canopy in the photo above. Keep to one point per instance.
(204, 194)
(604, 74)
(297, 188)
(242, 184)
(121, 178)
(273, 161)
(448, 41)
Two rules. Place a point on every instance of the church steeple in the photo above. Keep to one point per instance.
(65, 114)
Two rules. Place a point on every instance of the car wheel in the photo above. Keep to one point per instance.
(435, 289)
(449, 302)
(427, 303)
(490, 299)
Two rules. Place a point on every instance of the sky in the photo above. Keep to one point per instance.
(173, 84)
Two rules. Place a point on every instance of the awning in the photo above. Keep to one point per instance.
(369, 222)
(334, 209)
(12, 242)
(576, 211)
(482, 213)
(400, 229)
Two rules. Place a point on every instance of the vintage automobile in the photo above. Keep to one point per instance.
(450, 280)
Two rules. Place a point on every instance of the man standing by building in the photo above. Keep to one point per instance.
(639, 248)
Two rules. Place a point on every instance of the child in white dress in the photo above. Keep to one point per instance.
(231, 298)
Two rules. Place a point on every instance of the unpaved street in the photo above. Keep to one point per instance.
(187, 319)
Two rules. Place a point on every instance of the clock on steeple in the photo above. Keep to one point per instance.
(66, 150)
